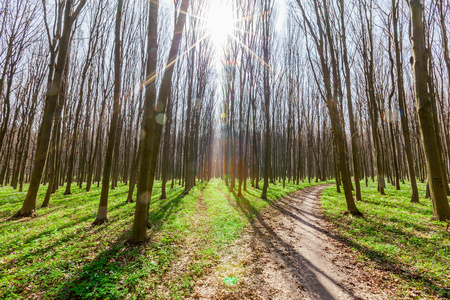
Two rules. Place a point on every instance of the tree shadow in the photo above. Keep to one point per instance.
(115, 272)
(382, 232)
(97, 278)
(56, 243)
(303, 270)
(389, 263)
(164, 208)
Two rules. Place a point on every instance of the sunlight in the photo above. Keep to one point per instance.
(220, 23)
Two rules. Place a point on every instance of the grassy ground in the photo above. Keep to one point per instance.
(59, 255)
(397, 235)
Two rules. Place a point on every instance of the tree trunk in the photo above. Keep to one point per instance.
(103, 205)
(438, 193)
(43, 141)
(148, 157)
(353, 131)
(266, 79)
(164, 164)
(403, 107)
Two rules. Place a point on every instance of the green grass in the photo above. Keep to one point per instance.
(397, 235)
(59, 255)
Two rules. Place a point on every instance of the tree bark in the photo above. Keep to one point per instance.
(103, 205)
(441, 209)
(43, 141)
(403, 107)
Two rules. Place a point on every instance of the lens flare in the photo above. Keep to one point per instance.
(161, 119)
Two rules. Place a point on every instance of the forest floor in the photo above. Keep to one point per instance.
(396, 237)
(214, 244)
(59, 254)
(292, 251)
(289, 252)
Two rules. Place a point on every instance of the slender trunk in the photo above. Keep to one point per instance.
(166, 146)
(53, 155)
(403, 107)
(103, 205)
(43, 141)
(267, 141)
(438, 193)
(69, 175)
(353, 131)
(149, 155)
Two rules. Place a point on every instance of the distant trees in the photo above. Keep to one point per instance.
(55, 82)
(320, 32)
(17, 31)
(141, 91)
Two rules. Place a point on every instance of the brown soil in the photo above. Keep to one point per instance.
(290, 252)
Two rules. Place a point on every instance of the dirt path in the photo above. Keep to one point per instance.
(289, 252)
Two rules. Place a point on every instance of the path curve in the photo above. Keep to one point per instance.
(289, 252)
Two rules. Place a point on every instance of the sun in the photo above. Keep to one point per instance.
(220, 23)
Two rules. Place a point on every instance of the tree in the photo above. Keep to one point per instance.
(353, 131)
(29, 204)
(402, 105)
(150, 143)
(441, 208)
(103, 205)
(92, 45)
(267, 7)
(330, 97)
(369, 69)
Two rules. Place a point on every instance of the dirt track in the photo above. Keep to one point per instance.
(289, 252)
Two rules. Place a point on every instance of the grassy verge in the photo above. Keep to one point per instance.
(59, 255)
(399, 236)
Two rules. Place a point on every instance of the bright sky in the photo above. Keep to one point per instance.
(282, 12)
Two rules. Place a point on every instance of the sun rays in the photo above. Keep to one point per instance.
(218, 24)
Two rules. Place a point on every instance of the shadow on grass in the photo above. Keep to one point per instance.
(97, 278)
(413, 207)
(164, 208)
(390, 264)
(253, 193)
(385, 233)
(296, 262)
(101, 277)
(301, 268)
(117, 271)
(56, 243)
(9, 202)
(394, 266)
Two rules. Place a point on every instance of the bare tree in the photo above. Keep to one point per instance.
(441, 209)
(43, 141)
(150, 144)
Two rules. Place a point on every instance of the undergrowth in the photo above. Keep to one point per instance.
(398, 236)
(60, 255)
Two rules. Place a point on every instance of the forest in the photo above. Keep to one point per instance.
(224, 149)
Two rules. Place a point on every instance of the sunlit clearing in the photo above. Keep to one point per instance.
(220, 23)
